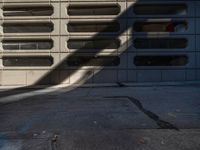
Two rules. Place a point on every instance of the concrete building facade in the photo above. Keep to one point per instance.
(49, 42)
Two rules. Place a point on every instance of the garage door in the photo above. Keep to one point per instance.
(80, 41)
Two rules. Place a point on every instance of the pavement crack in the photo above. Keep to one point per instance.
(161, 123)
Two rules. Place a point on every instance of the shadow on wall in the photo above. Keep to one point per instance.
(77, 63)
(88, 60)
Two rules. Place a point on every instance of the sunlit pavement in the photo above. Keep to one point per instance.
(108, 118)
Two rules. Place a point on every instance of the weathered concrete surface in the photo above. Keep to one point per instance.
(131, 139)
(134, 118)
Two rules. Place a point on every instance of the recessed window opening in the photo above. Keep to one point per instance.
(27, 27)
(93, 61)
(160, 9)
(94, 43)
(170, 60)
(29, 61)
(93, 27)
(13, 11)
(24, 44)
(94, 9)
(160, 43)
(169, 26)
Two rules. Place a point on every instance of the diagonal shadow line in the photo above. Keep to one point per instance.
(85, 76)
(61, 63)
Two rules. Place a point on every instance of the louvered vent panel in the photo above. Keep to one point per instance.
(62, 42)
(29, 41)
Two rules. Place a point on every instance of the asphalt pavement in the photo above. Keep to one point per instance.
(96, 118)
